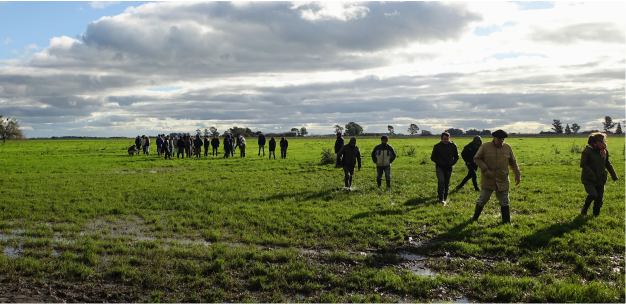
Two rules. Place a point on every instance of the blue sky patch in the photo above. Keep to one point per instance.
(501, 56)
(534, 5)
(164, 89)
(486, 31)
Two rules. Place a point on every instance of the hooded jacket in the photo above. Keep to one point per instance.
(497, 160)
(339, 143)
(284, 143)
(215, 142)
(445, 156)
(594, 165)
(349, 155)
(383, 155)
(197, 142)
(261, 140)
(469, 151)
(272, 144)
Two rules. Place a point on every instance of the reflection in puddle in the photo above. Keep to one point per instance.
(421, 271)
(12, 252)
(411, 257)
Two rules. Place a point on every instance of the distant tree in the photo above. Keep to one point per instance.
(557, 127)
(413, 128)
(426, 133)
(353, 129)
(206, 132)
(303, 131)
(296, 131)
(338, 128)
(472, 132)
(568, 131)
(10, 129)
(619, 128)
(239, 131)
(485, 132)
(575, 128)
(214, 131)
(608, 124)
(391, 130)
(454, 131)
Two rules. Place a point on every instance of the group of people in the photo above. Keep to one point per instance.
(494, 159)
(188, 146)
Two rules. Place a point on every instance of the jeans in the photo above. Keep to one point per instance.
(272, 152)
(262, 147)
(595, 194)
(180, 151)
(214, 151)
(146, 150)
(159, 149)
(380, 170)
(443, 181)
(348, 174)
(471, 173)
(283, 152)
(502, 196)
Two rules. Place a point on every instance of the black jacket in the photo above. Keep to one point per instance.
(469, 151)
(284, 143)
(215, 142)
(445, 156)
(138, 142)
(339, 143)
(180, 143)
(207, 141)
(228, 144)
(272, 144)
(349, 155)
(261, 140)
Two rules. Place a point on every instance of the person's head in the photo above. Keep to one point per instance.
(352, 141)
(384, 139)
(445, 137)
(283, 138)
(477, 141)
(272, 138)
(498, 137)
(596, 138)
(338, 134)
(197, 136)
(168, 137)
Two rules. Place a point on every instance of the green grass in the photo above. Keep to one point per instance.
(236, 229)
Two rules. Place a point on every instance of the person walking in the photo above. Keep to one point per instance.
(215, 143)
(383, 155)
(206, 145)
(159, 144)
(444, 155)
(147, 145)
(272, 147)
(197, 146)
(261, 142)
(339, 143)
(166, 148)
(284, 144)
(347, 157)
(493, 159)
(138, 144)
(469, 151)
(242, 146)
(594, 162)
(227, 146)
(181, 147)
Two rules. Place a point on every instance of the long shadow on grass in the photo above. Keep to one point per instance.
(542, 238)
(304, 195)
(430, 200)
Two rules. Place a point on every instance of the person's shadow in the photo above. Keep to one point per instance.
(542, 238)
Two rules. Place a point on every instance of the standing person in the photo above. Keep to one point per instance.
(594, 162)
(494, 158)
(284, 144)
(175, 144)
(197, 146)
(181, 147)
(347, 157)
(166, 148)
(272, 147)
(215, 143)
(242, 146)
(233, 146)
(143, 144)
(469, 151)
(159, 144)
(206, 145)
(444, 155)
(147, 145)
(188, 145)
(227, 146)
(383, 155)
(261, 142)
(339, 142)
(138, 144)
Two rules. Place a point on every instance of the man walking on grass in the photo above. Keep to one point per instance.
(468, 156)
(347, 157)
(383, 155)
(339, 142)
(494, 159)
(445, 155)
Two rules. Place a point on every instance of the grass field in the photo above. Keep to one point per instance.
(80, 220)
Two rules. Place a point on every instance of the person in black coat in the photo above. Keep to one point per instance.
(339, 142)
(138, 144)
(272, 147)
(445, 155)
(469, 151)
(284, 144)
(261, 142)
(215, 143)
(206, 145)
(347, 158)
(181, 147)
(227, 146)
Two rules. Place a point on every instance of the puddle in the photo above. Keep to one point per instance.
(126, 172)
(411, 257)
(461, 300)
(421, 271)
(55, 253)
(12, 252)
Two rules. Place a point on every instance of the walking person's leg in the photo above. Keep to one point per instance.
(440, 184)
(503, 198)
(480, 202)
(466, 178)
(599, 201)
(379, 176)
(346, 177)
(446, 176)
(388, 176)
(592, 195)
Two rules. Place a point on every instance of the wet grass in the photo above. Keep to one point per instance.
(217, 229)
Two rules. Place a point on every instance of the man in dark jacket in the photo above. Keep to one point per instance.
(147, 145)
(272, 146)
(284, 144)
(347, 157)
(594, 162)
(468, 156)
(261, 142)
(215, 143)
(138, 144)
(339, 142)
(383, 155)
(227, 146)
(445, 155)
(206, 145)
(159, 144)
(197, 144)
(188, 144)
(181, 147)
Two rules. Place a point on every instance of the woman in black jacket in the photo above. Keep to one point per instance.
(595, 161)
(272, 147)
(283, 147)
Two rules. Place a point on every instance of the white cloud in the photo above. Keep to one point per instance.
(102, 4)
(6, 41)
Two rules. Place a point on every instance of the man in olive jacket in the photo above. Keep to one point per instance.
(444, 155)
(494, 159)
(347, 158)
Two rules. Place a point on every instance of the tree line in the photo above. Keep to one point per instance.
(607, 126)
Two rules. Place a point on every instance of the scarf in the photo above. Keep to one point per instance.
(602, 148)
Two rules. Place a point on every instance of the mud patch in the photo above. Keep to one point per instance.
(12, 252)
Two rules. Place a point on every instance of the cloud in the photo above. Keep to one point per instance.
(6, 41)
(102, 4)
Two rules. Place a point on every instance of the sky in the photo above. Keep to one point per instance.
(134, 68)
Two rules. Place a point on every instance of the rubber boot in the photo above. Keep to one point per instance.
(388, 184)
(506, 215)
(477, 211)
(379, 182)
(586, 207)
(596, 207)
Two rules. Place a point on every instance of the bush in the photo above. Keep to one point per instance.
(409, 152)
(328, 157)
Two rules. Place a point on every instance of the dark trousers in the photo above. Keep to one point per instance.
(471, 173)
(348, 174)
(283, 152)
(242, 151)
(261, 147)
(180, 151)
(232, 151)
(443, 182)
(380, 170)
(595, 194)
(138, 149)
(206, 150)
(226, 153)
(272, 152)
(214, 151)
(188, 151)
(167, 153)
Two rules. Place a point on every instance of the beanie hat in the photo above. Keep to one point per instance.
(477, 138)
(353, 140)
(500, 134)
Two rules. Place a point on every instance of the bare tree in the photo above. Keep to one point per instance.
(608, 124)
(391, 130)
(10, 129)
(575, 128)
(413, 128)
(338, 128)
(557, 127)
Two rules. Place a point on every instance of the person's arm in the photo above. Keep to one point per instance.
(433, 155)
(456, 155)
(374, 159)
(609, 167)
(515, 168)
(358, 157)
(393, 155)
(339, 155)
